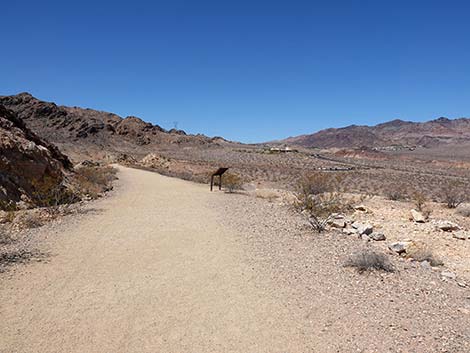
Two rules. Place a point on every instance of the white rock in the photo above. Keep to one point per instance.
(364, 229)
(462, 235)
(417, 216)
(337, 223)
(448, 275)
(447, 226)
(365, 237)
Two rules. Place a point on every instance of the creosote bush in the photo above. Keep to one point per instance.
(452, 194)
(368, 260)
(318, 198)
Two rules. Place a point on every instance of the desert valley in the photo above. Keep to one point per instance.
(346, 240)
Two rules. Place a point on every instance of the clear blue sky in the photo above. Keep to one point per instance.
(245, 70)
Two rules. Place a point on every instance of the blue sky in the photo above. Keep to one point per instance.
(247, 70)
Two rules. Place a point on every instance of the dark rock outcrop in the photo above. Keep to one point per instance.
(26, 161)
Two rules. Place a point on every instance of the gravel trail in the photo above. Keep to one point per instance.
(151, 270)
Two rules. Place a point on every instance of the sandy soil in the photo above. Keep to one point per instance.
(163, 265)
(151, 270)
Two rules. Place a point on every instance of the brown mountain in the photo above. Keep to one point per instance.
(87, 133)
(433, 133)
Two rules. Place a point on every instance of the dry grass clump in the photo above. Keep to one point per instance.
(94, 180)
(420, 252)
(369, 260)
(232, 182)
(318, 198)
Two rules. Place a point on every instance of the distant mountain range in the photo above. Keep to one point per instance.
(433, 133)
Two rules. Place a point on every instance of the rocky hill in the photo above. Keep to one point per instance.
(27, 162)
(396, 133)
(87, 133)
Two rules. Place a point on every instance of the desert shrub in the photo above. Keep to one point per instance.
(420, 252)
(396, 193)
(50, 192)
(92, 181)
(452, 194)
(368, 260)
(232, 182)
(8, 206)
(318, 199)
(419, 199)
(464, 210)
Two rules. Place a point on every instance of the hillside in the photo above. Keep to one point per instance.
(87, 133)
(26, 161)
(434, 133)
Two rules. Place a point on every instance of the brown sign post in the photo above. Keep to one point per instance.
(219, 172)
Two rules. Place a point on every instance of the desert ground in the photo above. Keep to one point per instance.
(164, 265)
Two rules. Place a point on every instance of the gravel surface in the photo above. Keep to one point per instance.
(163, 265)
(409, 310)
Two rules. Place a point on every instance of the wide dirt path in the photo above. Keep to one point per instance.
(151, 271)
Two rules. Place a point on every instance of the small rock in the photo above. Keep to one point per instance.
(426, 265)
(377, 236)
(363, 228)
(361, 208)
(399, 247)
(460, 235)
(417, 216)
(337, 223)
(349, 231)
(462, 284)
(447, 226)
(448, 275)
(365, 237)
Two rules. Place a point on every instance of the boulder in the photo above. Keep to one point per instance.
(417, 216)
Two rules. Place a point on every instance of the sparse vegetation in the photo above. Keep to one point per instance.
(51, 192)
(93, 181)
(232, 182)
(420, 252)
(452, 194)
(318, 199)
(7, 206)
(419, 199)
(368, 260)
